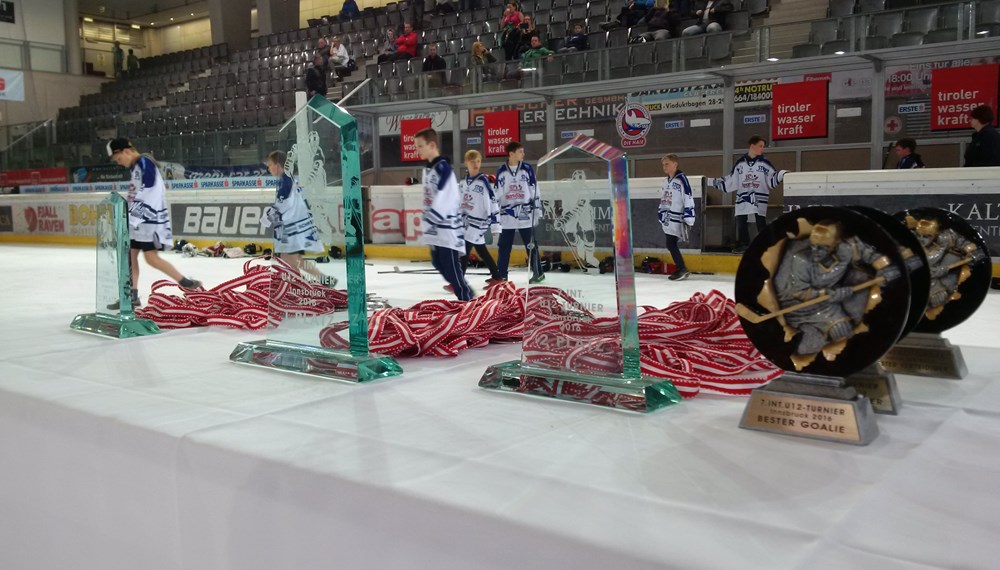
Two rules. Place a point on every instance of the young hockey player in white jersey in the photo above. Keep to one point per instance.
(676, 212)
(479, 205)
(148, 216)
(520, 209)
(295, 233)
(443, 224)
(752, 179)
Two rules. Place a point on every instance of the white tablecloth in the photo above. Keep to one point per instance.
(159, 453)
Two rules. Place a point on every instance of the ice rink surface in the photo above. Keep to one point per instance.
(158, 452)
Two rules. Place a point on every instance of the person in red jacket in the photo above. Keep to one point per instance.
(406, 43)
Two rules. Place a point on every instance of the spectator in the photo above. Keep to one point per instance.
(350, 10)
(711, 17)
(577, 41)
(631, 13)
(984, 149)
(323, 48)
(316, 77)
(132, 62)
(339, 57)
(482, 56)
(406, 44)
(434, 62)
(510, 31)
(443, 7)
(387, 46)
(676, 12)
(528, 58)
(908, 157)
(658, 24)
(118, 58)
(417, 15)
(526, 29)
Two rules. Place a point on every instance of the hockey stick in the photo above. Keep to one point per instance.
(756, 318)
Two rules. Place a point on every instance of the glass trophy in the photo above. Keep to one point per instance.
(318, 310)
(114, 315)
(581, 338)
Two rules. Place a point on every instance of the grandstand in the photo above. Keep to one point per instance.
(212, 105)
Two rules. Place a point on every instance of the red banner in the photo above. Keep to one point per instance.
(956, 91)
(33, 177)
(500, 128)
(408, 128)
(799, 110)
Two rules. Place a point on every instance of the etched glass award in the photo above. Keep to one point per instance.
(823, 293)
(318, 310)
(114, 314)
(581, 339)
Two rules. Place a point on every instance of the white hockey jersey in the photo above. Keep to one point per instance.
(148, 214)
(518, 198)
(443, 224)
(676, 211)
(479, 205)
(752, 180)
(294, 229)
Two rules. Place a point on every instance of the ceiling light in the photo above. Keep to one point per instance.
(772, 59)
(171, 19)
(838, 53)
(152, 23)
(85, 19)
(136, 27)
(983, 33)
(192, 13)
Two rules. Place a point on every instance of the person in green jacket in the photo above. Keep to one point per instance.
(529, 58)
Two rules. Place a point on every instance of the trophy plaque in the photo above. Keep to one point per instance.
(960, 276)
(581, 336)
(314, 327)
(114, 316)
(822, 293)
(875, 382)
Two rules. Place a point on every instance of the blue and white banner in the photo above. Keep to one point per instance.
(11, 85)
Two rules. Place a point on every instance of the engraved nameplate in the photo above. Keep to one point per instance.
(806, 416)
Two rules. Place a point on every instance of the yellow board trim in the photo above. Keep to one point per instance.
(721, 263)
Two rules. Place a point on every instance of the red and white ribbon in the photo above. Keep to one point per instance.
(697, 344)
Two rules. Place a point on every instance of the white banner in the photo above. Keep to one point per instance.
(11, 85)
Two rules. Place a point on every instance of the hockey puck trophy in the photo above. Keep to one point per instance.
(960, 275)
(581, 338)
(315, 326)
(876, 382)
(114, 316)
(823, 293)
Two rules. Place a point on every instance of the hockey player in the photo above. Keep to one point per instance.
(520, 210)
(442, 224)
(148, 216)
(676, 212)
(295, 233)
(479, 205)
(752, 179)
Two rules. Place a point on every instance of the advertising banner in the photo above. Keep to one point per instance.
(33, 176)
(500, 128)
(99, 173)
(799, 110)
(408, 128)
(11, 85)
(958, 90)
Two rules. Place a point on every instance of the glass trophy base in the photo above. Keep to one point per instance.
(816, 407)
(316, 361)
(925, 354)
(645, 394)
(879, 386)
(114, 326)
